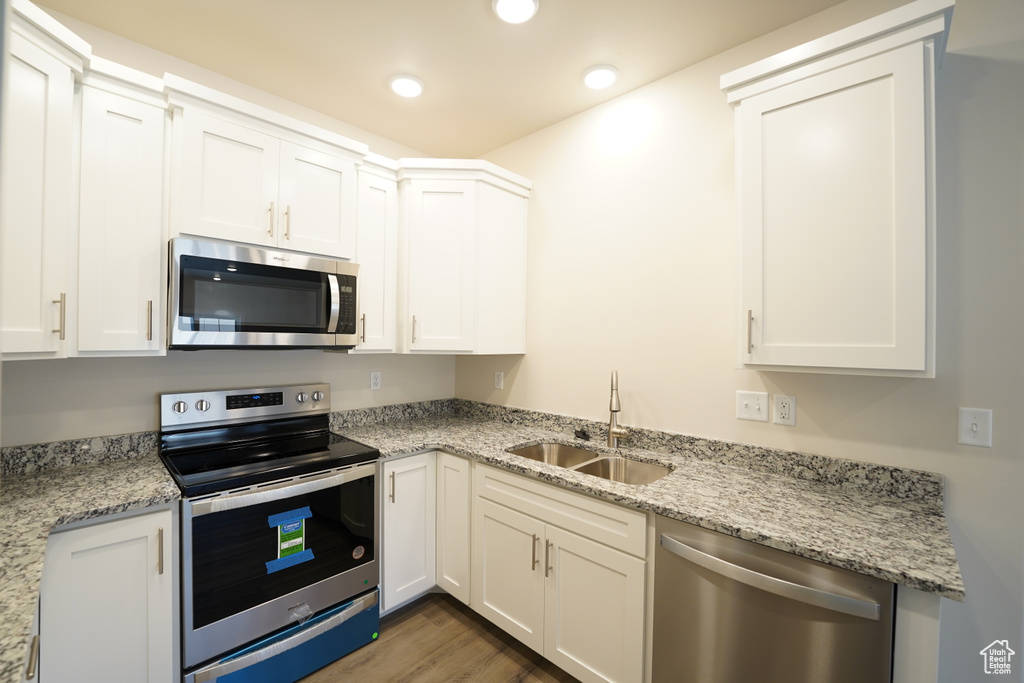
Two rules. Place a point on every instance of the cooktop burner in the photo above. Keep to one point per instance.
(222, 440)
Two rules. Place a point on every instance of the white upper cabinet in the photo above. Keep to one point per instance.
(836, 192)
(121, 264)
(37, 219)
(463, 240)
(377, 254)
(251, 175)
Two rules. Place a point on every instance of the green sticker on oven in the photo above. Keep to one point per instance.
(291, 538)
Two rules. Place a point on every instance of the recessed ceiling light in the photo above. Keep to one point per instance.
(515, 11)
(406, 85)
(600, 76)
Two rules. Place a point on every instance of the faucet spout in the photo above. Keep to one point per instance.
(615, 432)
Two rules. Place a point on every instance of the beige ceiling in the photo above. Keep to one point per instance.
(487, 83)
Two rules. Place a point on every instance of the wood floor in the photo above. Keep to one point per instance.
(437, 639)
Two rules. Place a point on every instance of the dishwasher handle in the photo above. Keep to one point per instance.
(786, 589)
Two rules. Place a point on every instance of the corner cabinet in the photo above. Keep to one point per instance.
(250, 175)
(36, 225)
(454, 511)
(463, 256)
(408, 528)
(563, 573)
(107, 602)
(836, 194)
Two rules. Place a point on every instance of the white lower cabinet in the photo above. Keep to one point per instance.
(548, 569)
(408, 529)
(454, 507)
(107, 610)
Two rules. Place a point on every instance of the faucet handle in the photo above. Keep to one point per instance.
(613, 404)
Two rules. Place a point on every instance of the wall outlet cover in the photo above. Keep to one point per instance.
(376, 382)
(499, 380)
(784, 410)
(752, 405)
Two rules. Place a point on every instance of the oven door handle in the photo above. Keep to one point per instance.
(283, 490)
(225, 667)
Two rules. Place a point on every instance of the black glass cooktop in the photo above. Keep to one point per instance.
(216, 459)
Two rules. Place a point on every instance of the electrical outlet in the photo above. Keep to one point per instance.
(784, 412)
(975, 427)
(375, 381)
(752, 405)
(499, 380)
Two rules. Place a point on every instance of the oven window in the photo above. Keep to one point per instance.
(224, 296)
(237, 556)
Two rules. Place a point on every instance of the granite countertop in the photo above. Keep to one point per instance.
(879, 525)
(31, 505)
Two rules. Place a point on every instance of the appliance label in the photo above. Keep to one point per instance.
(290, 528)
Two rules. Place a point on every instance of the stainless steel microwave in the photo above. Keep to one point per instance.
(225, 295)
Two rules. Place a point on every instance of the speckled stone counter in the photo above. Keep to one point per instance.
(884, 522)
(31, 505)
(881, 521)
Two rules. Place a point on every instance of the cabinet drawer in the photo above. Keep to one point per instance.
(597, 520)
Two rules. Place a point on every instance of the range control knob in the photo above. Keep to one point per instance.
(318, 396)
(202, 405)
(179, 407)
(302, 396)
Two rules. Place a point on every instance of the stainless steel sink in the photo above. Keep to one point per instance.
(624, 470)
(556, 454)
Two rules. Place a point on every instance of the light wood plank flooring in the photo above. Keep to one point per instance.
(437, 639)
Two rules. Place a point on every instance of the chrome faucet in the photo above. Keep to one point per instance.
(615, 432)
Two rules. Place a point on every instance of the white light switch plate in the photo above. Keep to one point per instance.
(975, 427)
(752, 405)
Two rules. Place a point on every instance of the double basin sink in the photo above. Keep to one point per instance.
(611, 467)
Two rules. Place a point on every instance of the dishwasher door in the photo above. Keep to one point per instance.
(732, 611)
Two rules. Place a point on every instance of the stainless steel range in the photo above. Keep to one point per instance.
(280, 532)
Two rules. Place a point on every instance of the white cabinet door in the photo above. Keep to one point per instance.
(408, 528)
(594, 611)
(107, 613)
(377, 256)
(121, 269)
(36, 221)
(441, 264)
(318, 202)
(228, 181)
(454, 511)
(508, 571)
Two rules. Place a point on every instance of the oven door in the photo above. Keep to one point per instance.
(271, 556)
(224, 295)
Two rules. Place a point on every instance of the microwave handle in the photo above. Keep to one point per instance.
(332, 325)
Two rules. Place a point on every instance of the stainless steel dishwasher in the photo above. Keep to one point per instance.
(732, 611)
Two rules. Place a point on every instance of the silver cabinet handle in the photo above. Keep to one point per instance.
(362, 319)
(63, 301)
(228, 666)
(270, 230)
(33, 659)
(149, 318)
(285, 489)
(414, 329)
(392, 487)
(534, 561)
(547, 557)
(786, 589)
(750, 326)
(288, 222)
(160, 550)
